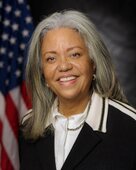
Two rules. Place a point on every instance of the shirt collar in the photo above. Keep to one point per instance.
(73, 121)
(98, 112)
(97, 115)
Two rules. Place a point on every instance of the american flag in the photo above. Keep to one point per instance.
(15, 30)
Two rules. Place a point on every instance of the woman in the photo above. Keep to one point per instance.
(79, 119)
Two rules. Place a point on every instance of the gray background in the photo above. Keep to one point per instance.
(115, 21)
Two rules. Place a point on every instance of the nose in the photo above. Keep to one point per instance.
(64, 65)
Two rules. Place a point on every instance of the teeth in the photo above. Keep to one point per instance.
(67, 78)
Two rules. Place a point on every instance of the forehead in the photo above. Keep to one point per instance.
(62, 36)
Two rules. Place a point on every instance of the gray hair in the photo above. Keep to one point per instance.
(105, 84)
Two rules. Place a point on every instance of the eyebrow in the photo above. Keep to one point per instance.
(69, 49)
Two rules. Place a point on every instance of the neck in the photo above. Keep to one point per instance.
(68, 107)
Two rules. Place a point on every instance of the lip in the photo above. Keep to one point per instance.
(67, 79)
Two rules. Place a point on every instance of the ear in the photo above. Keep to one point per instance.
(47, 85)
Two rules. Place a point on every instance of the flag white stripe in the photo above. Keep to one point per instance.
(2, 109)
(10, 144)
(18, 101)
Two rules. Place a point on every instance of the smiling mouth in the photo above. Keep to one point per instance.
(66, 79)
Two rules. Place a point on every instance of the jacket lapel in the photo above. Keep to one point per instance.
(85, 143)
(45, 151)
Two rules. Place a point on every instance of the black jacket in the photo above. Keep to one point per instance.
(111, 145)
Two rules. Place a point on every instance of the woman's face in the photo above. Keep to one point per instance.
(67, 67)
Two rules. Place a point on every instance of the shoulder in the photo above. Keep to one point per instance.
(26, 117)
(24, 125)
(123, 108)
(121, 119)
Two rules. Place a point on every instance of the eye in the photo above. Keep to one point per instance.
(75, 55)
(50, 59)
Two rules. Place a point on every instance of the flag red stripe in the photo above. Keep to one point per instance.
(5, 163)
(12, 114)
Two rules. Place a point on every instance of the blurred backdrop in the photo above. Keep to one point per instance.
(115, 20)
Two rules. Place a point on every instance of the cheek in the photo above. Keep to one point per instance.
(87, 69)
(88, 74)
(49, 73)
(46, 74)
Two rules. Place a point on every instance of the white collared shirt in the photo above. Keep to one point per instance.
(65, 136)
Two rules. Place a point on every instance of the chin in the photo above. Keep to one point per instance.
(71, 96)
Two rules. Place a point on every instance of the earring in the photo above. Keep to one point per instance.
(94, 77)
(47, 84)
